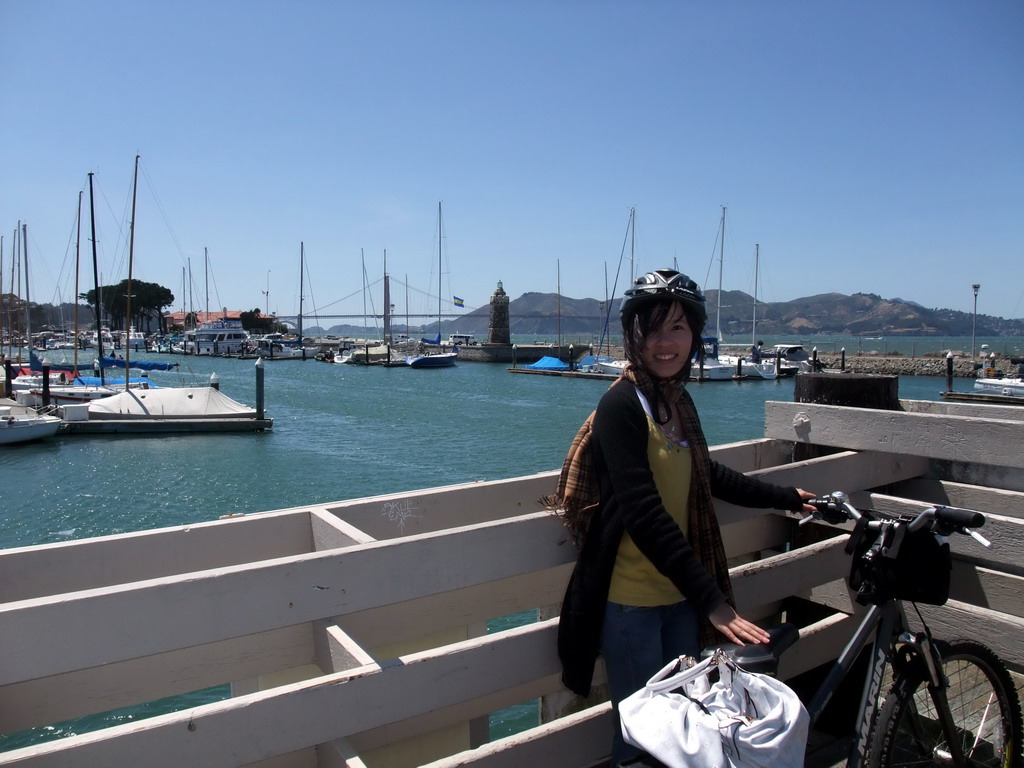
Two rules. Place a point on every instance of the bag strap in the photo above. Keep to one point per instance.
(677, 673)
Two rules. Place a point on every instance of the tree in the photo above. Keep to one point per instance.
(254, 321)
(148, 303)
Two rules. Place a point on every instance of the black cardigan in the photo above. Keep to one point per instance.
(631, 502)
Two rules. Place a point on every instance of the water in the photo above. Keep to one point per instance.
(340, 432)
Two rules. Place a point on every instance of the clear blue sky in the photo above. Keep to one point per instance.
(866, 146)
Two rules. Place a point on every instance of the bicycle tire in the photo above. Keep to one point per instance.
(983, 701)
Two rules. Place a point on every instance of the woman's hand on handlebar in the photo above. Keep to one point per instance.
(806, 496)
(735, 628)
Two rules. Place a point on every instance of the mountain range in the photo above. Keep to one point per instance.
(860, 314)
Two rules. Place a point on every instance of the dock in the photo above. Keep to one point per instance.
(360, 633)
(978, 397)
(568, 374)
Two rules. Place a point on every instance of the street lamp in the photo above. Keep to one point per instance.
(974, 326)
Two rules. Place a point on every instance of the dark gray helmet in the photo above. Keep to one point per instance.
(664, 282)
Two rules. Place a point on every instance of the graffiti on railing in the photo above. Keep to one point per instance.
(398, 511)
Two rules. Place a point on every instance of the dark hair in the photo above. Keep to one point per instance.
(649, 316)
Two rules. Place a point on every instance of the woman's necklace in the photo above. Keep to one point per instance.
(673, 428)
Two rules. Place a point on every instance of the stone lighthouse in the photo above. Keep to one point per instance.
(498, 331)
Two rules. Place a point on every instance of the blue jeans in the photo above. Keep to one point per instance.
(636, 642)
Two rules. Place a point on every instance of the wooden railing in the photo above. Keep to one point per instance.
(356, 633)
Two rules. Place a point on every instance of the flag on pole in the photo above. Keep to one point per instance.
(458, 302)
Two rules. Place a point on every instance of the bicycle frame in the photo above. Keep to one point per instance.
(883, 622)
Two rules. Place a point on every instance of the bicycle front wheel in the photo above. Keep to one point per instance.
(984, 704)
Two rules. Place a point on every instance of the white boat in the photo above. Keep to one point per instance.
(793, 359)
(20, 424)
(274, 346)
(1003, 387)
(711, 368)
(750, 366)
(369, 353)
(219, 337)
(135, 340)
(611, 367)
(169, 403)
(103, 336)
(64, 394)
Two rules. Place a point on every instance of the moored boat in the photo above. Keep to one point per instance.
(219, 337)
(275, 346)
(21, 424)
(439, 359)
(134, 340)
(1005, 387)
(793, 359)
(172, 409)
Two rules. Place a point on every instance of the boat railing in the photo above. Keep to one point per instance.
(387, 631)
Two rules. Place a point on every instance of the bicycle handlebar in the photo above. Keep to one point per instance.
(835, 508)
(953, 516)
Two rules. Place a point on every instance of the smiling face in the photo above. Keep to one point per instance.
(667, 348)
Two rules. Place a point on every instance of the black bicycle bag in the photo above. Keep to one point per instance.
(891, 563)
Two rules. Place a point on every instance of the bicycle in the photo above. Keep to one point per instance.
(950, 703)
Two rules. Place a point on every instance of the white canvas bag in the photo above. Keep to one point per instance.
(741, 720)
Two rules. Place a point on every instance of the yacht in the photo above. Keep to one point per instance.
(219, 337)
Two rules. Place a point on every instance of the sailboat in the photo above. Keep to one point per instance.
(765, 369)
(438, 359)
(709, 367)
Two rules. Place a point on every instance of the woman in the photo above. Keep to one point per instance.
(650, 581)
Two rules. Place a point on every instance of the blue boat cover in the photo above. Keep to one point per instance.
(548, 364)
(94, 381)
(35, 364)
(142, 365)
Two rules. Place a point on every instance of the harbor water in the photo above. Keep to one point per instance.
(340, 432)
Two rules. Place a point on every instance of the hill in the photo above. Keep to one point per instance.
(861, 314)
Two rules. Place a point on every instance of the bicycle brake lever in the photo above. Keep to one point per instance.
(978, 537)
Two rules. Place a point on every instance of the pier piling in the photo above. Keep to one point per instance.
(259, 388)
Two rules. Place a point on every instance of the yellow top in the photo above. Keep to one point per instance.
(635, 580)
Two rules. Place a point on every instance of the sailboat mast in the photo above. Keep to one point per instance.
(558, 301)
(5, 315)
(302, 286)
(607, 307)
(439, 236)
(78, 242)
(96, 277)
(387, 305)
(753, 324)
(721, 263)
(206, 277)
(362, 261)
(7, 309)
(28, 297)
(632, 245)
(131, 254)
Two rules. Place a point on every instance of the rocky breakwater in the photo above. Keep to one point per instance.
(903, 365)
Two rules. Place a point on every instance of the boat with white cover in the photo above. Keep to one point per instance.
(170, 403)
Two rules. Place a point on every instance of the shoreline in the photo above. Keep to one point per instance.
(902, 365)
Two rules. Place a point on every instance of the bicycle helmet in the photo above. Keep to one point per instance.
(664, 282)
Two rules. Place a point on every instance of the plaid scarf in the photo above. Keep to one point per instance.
(578, 495)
